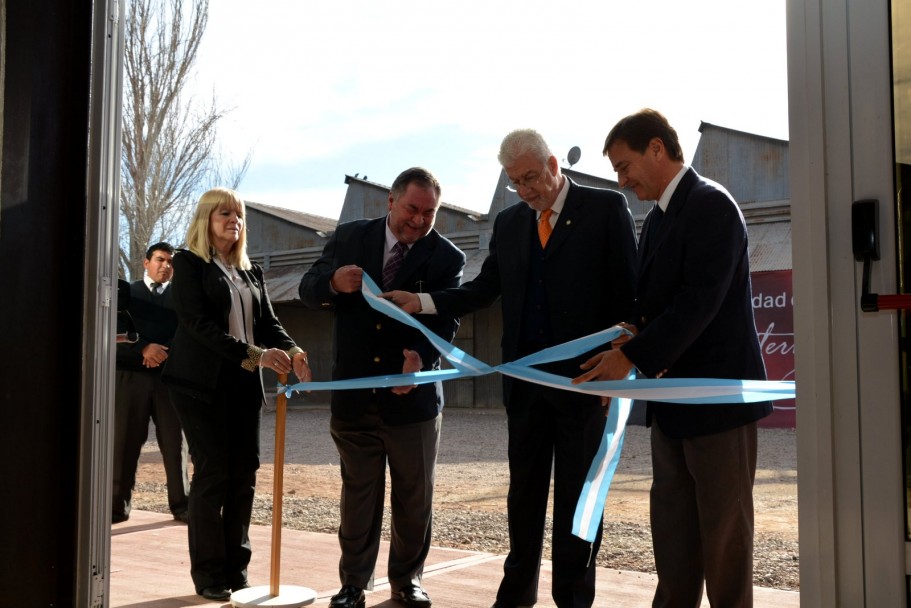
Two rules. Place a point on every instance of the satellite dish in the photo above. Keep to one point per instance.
(574, 155)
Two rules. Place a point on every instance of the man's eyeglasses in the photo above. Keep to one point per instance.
(529, 180)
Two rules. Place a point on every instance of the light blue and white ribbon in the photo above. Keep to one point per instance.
(590, 507)
(671, 390)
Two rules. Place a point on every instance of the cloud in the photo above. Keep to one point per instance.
(324, 87)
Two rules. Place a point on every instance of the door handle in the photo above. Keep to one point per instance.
(865, 243)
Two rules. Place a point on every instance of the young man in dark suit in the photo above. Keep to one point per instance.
(398, 426)
(141, 396)
(693, 319)
(562, 264)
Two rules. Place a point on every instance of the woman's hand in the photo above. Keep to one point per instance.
(276, 359)
(302, 367)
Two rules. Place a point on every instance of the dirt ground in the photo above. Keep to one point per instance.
(472, 475)
(472, 470)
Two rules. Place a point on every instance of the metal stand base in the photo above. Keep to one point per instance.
(288, 596)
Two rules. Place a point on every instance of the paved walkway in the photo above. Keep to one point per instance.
(150, 569)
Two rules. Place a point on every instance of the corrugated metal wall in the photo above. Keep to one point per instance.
(753, 168)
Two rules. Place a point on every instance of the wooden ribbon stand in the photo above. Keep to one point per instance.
(276, 595)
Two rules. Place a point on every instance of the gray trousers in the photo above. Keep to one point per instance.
(702, 517)
(365, 447)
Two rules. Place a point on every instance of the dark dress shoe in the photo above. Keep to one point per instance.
(348, 596)
(182, 516)
(119, 518)
(218, 593)
(239, 586)
(412, 595)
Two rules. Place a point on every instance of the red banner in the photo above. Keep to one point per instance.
(773, 307)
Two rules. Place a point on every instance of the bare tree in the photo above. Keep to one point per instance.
(169, 154)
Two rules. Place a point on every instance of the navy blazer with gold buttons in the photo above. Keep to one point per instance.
(368, 343)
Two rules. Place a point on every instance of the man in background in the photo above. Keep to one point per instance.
(140, 395)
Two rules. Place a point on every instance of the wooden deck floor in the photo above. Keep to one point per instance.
(150, 569)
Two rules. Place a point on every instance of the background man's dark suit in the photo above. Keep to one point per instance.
(587, 273)
(140, 396)
(368, 343)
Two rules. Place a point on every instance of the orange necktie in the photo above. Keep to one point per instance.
(544, 227)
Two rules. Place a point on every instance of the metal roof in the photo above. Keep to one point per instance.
(384, 193)
(753, 167)
(307, 220)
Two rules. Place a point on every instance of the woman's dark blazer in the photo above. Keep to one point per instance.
(202, 348)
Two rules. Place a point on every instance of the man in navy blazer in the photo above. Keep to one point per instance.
(401, 425)
(693, 318)
(562, 264)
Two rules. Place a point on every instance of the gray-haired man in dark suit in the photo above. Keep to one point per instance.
(563, 264)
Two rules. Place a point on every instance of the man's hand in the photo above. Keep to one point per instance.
(347, 279)
(407, 301)
(411, 365)
(624, 338)
(607, 365)
(154, 355)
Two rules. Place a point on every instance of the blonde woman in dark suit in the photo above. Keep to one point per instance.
(227, 332)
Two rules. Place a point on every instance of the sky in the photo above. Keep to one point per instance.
(319, 90)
